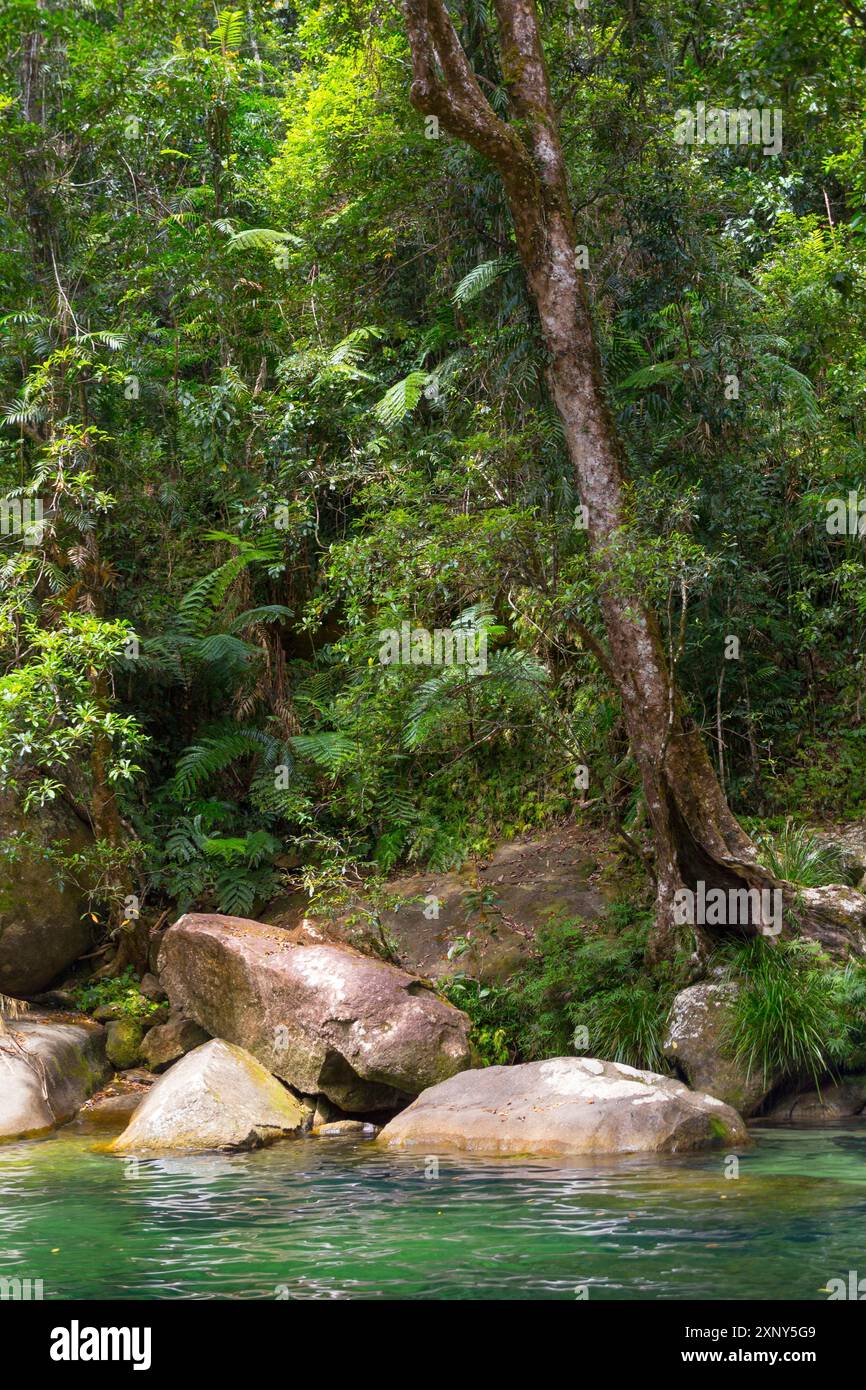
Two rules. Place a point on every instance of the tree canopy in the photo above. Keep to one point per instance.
(273, 384)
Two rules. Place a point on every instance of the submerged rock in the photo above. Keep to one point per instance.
(695, 1041)
(342, 1129)
(217, 1097)
(323, 1017)
(567, 1105)
(43, 927)
(47, 1072)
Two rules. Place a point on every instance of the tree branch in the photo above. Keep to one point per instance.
(445, 86)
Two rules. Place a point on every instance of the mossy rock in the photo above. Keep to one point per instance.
(123, 1039)
(43, 922)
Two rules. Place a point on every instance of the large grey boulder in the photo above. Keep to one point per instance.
(321, 1016)
(696, 1042)
(47, 1072)
(217, 1097)
(43, 927)
(565, 1106)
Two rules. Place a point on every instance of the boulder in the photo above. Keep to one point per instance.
(112, 1110)
(322, 1016)
(113, 1107)
(123, 1039)
(564, 1106)
(695, 1043)
(217, 1097)
(835, 1101)
(480, 920)
(325, 1113)
(170, 1041)
(47, 1072)
(43, 927)
(150, 987)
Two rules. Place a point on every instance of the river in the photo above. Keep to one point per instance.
(319, 1218)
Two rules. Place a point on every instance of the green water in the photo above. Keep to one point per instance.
(339, 1219)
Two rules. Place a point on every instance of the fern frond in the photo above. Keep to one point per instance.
(203, 760)
(400, 399)
(268, 613)
(262, 239)
(480, 278)
(228, 35)
(328, 750)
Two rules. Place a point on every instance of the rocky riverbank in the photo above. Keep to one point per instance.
(258, 1031)
(312, 1037)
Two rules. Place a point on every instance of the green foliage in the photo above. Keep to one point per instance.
(797, 854)
(268, 357)
(627, 1024)
(400, 399)
(583, 991)
(786, 1021)
(480, 278)
(119, 993)
(229, 873)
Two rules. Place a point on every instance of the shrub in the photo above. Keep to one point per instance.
(120, 993)
(797, 854)
(789, 1019)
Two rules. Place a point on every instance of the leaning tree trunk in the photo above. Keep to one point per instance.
(697, 839)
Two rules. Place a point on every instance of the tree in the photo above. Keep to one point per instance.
(697, 838)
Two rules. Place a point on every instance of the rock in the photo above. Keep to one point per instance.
(567, 1105)
(695, 1042)
(849, 843)
(325, 1113)
(106, 1013)
(113, 1108)
(43, 927)
(123, 1038)
(139, 1076)
(322, 1016)
(150, 987)
(835, 1101)
(47, 1072)
(154, 946)
(481, 920)
(356, 1128)
(217, 1097)
(171, 1041)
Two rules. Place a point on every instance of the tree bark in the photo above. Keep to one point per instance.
(696, 836)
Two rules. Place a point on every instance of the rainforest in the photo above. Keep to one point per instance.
(432, 667)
